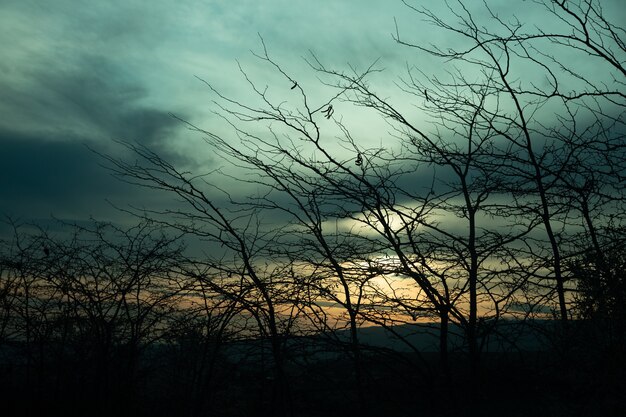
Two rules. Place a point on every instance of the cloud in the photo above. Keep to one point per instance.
(88, 99)
(39, 178)
(78, 71)
(51, 114)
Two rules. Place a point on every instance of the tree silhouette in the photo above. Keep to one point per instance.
(494, 205)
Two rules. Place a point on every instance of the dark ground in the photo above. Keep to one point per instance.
(579, 379)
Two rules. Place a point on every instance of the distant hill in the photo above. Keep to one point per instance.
(506, 335)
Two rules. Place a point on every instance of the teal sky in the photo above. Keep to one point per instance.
(76, 72)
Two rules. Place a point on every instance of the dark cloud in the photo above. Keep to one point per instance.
(40, 178)
(46, 167)
(62, 177)
(92, 98)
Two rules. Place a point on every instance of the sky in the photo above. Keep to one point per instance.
(76, 73)
(79, 74)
